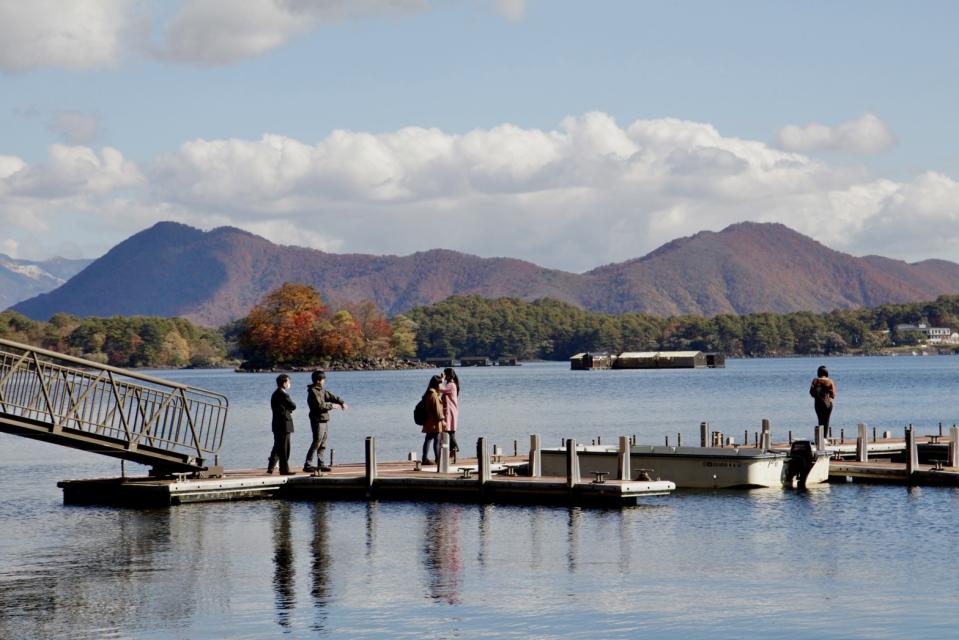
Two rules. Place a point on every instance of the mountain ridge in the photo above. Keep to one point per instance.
(212, 277)
(23, 279)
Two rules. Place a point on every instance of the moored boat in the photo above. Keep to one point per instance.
(695, 467)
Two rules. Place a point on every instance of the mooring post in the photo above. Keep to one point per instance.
(332, 454)
(667, 439)
(572, 463)
(874, 434)
(443, 464)
(535, 460)
(482, 461)
(912, 453)
(703, 431)
(954, 446)
(820, 437)
(745, 437)
(862, 451)
(515, 448)
(765, 441)
(679, 439)
(624, 450)
(370, 461)
(790, 436)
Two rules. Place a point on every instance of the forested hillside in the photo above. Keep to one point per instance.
(464, 326)
(549, 329)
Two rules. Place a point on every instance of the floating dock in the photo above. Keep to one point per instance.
(926, 475)
(389, 481)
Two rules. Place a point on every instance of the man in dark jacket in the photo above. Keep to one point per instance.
(283, 407)
(320, 402)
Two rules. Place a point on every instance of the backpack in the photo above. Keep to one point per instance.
(421, 411)
(822, 394)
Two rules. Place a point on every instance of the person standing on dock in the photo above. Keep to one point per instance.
(282, 407)
(320, 401)
(450, 392)
(823, 391)
(435, 423)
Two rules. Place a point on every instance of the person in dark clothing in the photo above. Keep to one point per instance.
(823, 391)
(282, 407)
(320, 402)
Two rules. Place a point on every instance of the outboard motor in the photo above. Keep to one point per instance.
(801, 461)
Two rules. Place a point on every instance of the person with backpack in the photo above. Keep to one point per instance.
(320, 401)
(429, 413)
(823, 391)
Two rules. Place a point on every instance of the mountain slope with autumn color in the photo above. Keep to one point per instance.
(213, 277)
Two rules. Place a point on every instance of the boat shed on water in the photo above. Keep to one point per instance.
(660, 360)
(586, 361)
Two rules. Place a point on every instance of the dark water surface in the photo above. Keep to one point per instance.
(839, 561)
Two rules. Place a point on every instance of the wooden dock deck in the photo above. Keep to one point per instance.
(392, 481)
(875, 472)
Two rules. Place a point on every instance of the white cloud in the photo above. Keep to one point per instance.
(92, 34)
(72, 171)
(918, 218)
(75, 128)
(865, 135)
(9, 247)
(511, 9)
(587, 192)
(80, 34)
(213, 32)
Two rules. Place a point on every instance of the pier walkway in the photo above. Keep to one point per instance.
(86, 405)
(384, 481)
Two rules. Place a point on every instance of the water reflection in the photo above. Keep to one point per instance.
(106, 582)
(372, 511)
(322, 561)
(442, 555)
(485, 520)
(284, 571)
(572, 537)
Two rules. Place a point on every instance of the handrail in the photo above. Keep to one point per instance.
(95, 365)
(105, 409)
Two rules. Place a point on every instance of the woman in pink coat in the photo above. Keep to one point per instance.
(435, 423)
(451, 393)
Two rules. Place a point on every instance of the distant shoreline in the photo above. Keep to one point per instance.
(373, 364)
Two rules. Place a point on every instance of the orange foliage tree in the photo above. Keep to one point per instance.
(293, 326)
(284, 327)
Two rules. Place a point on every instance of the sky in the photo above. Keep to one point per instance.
(569, 134)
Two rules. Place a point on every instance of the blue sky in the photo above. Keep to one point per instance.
(569, 134)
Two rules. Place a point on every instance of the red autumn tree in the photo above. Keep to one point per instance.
(284, 327)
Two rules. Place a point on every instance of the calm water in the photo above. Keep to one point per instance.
(839, 561)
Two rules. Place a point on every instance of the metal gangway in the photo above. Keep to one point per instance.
(86, 405)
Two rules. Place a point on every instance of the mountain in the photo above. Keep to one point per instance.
(23, 279)
(752, 267)
(213, 277)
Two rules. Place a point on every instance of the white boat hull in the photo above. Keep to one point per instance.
(688, 467)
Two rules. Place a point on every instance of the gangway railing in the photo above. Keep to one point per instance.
(86, 405)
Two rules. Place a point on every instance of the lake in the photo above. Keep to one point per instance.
(836, 561)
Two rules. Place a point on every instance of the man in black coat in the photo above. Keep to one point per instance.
(283, 407)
